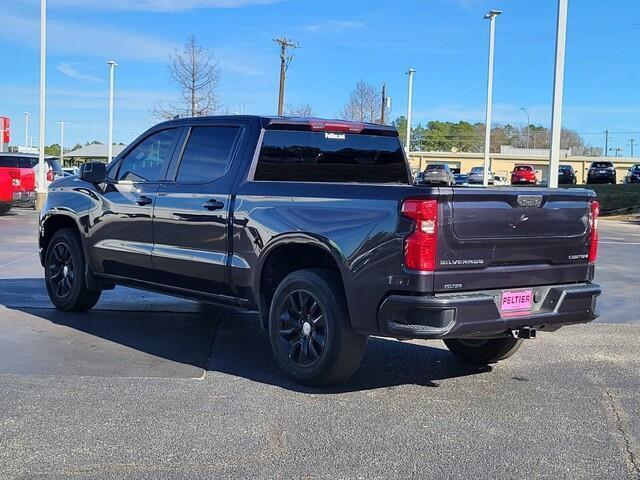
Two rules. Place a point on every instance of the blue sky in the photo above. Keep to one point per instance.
(341, 43)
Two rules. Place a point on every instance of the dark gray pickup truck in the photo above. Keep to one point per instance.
(316, 225)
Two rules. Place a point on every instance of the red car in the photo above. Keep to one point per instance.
(17, 181)
(524, 175)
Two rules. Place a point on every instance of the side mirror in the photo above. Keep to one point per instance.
(93, 172)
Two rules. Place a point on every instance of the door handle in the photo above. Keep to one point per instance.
(143, 200)
(213, 205)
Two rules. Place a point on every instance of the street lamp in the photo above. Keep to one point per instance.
(410, 73)
(491, 16)
(528, 123)
(62, 124)
(41, 194)
(26, 128)
(112, 68)
(558, 90)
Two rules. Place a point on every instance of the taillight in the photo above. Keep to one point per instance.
(593, 231)
(420, 245)
(50, 176)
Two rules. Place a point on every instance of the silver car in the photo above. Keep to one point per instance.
(476, 176)
(436, 174)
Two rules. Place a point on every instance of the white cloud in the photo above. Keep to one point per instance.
(159, 5)
(93, 41)
(331, 26)
(70, 71)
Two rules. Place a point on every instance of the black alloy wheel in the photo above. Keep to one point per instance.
(61, 271)
(302, 327)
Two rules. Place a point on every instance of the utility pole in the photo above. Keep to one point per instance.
(285, 61)
(410, 72)
(491, 16)
(41, 194)
(112, 67)
(631, 142)
(384, 103)
(606, 143)
(26, 128)
(528, 124)
(62, 124)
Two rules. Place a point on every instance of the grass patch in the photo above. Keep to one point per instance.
(620, 198)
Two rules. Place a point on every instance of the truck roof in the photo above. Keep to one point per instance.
(300, 122)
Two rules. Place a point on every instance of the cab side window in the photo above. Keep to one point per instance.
(207, 154)
(147, 161)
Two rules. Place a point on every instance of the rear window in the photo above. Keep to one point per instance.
(565, 168)
(301, 156)
(523, 168)
(601, 165)
(17, 162)
(435, 167)
(54, 165)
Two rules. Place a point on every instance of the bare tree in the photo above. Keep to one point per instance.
(300, 110)
(195, 70)
(364, 104)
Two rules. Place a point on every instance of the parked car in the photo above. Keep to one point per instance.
(498, 180)
(461, 178)
(70, 170)
(524, 175)
(436, 174)
(315, 225)
(633, 175)
(476, 176)
(17, 182)
(566, 175)
(601, 172)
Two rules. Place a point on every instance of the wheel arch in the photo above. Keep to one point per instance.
(288, 254)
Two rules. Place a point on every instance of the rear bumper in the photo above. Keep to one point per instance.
(23, 198)
(476, 314)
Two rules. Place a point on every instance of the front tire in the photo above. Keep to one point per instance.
(309, 329)
(483, 351)
(64, 273)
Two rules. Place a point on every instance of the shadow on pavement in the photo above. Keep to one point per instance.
(211, 339)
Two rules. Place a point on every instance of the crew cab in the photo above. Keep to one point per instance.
(315, 225)
(17, 181)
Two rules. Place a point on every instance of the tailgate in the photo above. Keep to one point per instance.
(497, 237)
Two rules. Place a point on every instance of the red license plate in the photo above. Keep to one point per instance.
(516, 301)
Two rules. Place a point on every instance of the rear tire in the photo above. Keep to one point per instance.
(65, 268)
(4, 208)
(483, 351)
(310, 331)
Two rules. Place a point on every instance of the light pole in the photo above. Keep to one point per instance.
(41, 194)
(410, 73)
(491, 16)
(26, 128)
(112, 68)
(62, 124)
(558, 90)
(528, 123)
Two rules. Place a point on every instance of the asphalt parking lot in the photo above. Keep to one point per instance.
(146, 386)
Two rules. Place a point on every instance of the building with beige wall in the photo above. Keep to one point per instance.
(503, 163)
